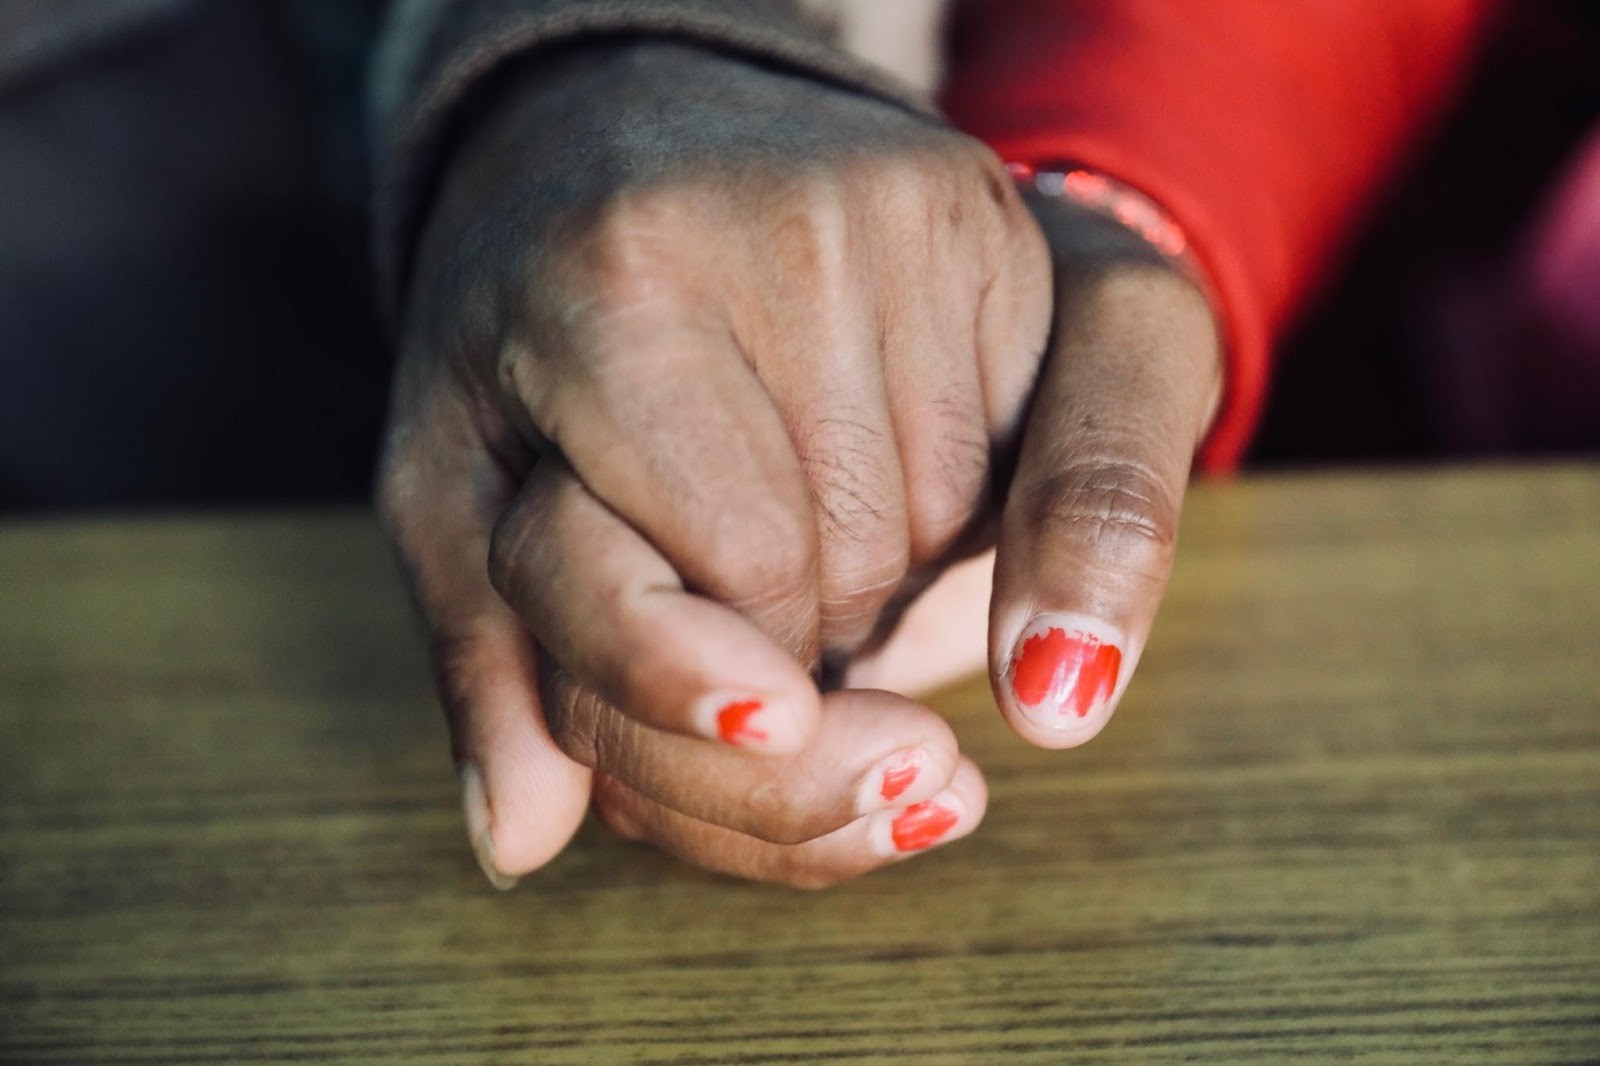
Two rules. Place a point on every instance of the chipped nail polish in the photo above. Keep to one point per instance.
(1064, 670)
(897, 779)
(739, 723)
(919, 826)
(749, 720)
(890, 779)
(736, 723)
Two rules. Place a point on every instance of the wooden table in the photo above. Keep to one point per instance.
(1351, 807)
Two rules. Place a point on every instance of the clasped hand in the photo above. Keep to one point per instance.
(708, 372)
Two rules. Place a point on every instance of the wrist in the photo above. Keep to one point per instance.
(1100, 231)
(1160, 238)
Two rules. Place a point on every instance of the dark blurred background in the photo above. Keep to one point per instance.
(186, 308)
(186, 303)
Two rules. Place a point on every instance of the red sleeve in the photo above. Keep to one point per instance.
(1262, 126)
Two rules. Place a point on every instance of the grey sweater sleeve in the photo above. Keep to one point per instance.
(435, 51)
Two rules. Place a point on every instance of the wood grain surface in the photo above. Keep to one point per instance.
(1350, 809)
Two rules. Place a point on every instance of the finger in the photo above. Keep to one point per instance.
(850, 851)
(821, 354)
(959, 428)
(1091, 519)
(613, 612)
(440, 490)
(650, 399)
(980, 337)
(872, 751)
(1015, 313)
(933, 378)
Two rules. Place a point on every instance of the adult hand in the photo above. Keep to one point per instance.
(703, 364)
(716, 367)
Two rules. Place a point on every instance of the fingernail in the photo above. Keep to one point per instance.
(1064, 671)
(475, 807)
(746, 721)
(890, 779)
(919, 826)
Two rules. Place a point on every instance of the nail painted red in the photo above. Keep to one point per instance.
(897, 779)
(1076, 668)
(922, 825)
(734, 726)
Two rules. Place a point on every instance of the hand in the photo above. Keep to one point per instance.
(777, 365)
(703, 364)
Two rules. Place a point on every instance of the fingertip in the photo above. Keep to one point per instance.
(950, 814)
(522, 798)
(531, 812)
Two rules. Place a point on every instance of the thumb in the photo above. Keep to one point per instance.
(440, 491)
(1091, 520)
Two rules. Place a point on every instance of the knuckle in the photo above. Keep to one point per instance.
(984, 169)
(810, 243)
(897, 183)
(525, 542)
(620, 279)
(628, 262)
(816, 229)
(851, 508)
(1118, 513)
(855, 597)
(863, 574)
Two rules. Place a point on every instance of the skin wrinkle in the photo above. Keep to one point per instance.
(843, 495)
(836, 469)
(860, 586)
(844, 502)
(581, 723)
(854, 592)
(1114, 519)
(788, 816)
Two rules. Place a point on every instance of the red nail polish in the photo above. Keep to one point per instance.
(922, 825)
(734, 725)
(1069, 668)
(896, 779)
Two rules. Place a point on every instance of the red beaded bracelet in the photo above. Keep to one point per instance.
(1111, 198)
